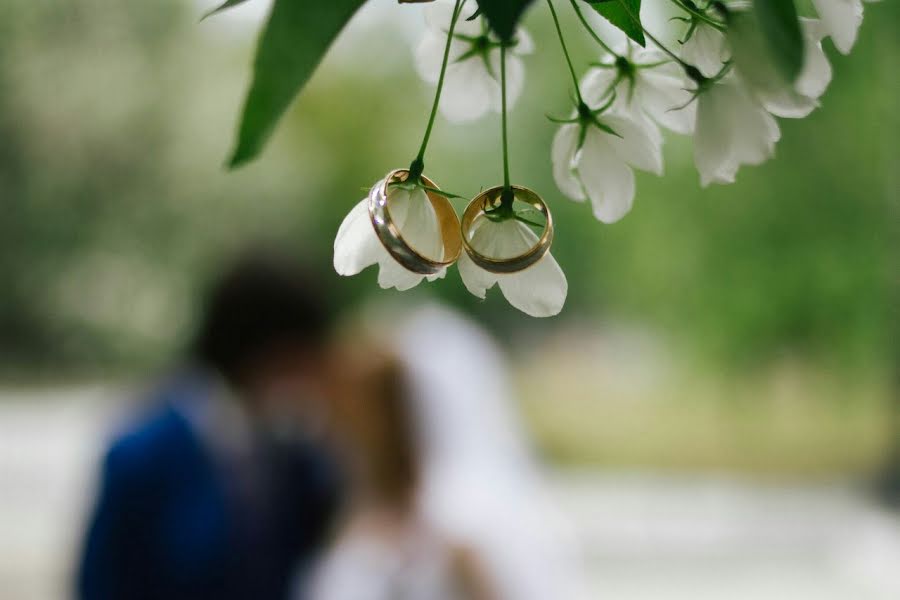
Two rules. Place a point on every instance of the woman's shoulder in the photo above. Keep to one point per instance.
(373, 548)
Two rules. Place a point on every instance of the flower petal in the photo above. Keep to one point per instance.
(712, 139)
(417, 221)
(798, 100)
(639, 142)
(439, 275)
(596, 85)
(841, 19)
(356, 245)
(429, 56)
(664, 95)
(392, 275)
(565, 145)
(607, 179)
(477, 280)
(524, 42)
(538, 291)
(786, 103)
(816, 74)
(469, 91)
(732, 129)
(706, 50)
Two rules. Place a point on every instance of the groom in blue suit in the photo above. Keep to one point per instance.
(223, 489)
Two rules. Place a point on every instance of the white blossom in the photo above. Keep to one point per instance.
(733, 129)
(841, 20)
(797, 100)
(538, 291)
(706, 49)
(816, 74)
(357, 246)
(472, 80)
(591, 163)
(643, 80)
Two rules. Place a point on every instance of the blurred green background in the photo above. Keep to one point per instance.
(750, 326)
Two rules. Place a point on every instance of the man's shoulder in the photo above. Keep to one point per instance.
(159, 436)
(148, 441)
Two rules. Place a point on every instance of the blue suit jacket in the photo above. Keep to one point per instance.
(170, 524)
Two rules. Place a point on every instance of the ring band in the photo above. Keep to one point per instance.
(489, 199)
(391, 238)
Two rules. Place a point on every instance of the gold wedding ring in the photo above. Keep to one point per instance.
(392, 239)
(490, 200)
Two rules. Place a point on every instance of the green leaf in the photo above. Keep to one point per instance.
(503, 15)
(780, 25)
(292, 44)
(227, 4)
(624, 14)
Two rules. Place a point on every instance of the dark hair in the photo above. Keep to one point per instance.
(263, 302)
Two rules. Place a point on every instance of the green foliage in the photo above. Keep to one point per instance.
(503, 15)
(780, 25)
(292, 44)
(624, 14)
(756, 58)
(116, 211)
(224, 6)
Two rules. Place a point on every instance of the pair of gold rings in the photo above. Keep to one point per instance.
(455, 236)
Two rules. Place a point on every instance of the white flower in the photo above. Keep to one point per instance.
(472, 81)
(644, 80)
(590, 163)
(733, 128)
(706, 49)
(538, 291)
(357, 246)
(841, 20)
(816, 74)
(798, 100)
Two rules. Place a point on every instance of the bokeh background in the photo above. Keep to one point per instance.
(717, 404)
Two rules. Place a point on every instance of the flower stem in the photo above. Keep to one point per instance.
(418, 165)
(590, 29)
(699, 15)
(565, 50)
(507, 190)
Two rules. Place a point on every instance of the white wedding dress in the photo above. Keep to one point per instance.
(381, 564)
(480, 488)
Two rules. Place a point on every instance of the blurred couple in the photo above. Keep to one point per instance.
(287, 461)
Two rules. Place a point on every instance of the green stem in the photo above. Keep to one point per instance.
(419, 163)
(522, 219)
(506, 185)
(565, 50)
(590, 29)
(699, 15)
(444, 193)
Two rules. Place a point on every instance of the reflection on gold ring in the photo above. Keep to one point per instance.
(391, 238)
(490, 199)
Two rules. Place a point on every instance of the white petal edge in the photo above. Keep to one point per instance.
(562, 152)
(356, 245)
(841, 19)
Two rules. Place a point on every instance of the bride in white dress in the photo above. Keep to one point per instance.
(449, 504)
(387, 549)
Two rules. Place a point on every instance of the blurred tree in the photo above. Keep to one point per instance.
(114, 119)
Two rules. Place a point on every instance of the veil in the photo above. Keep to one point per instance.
(481, 484)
